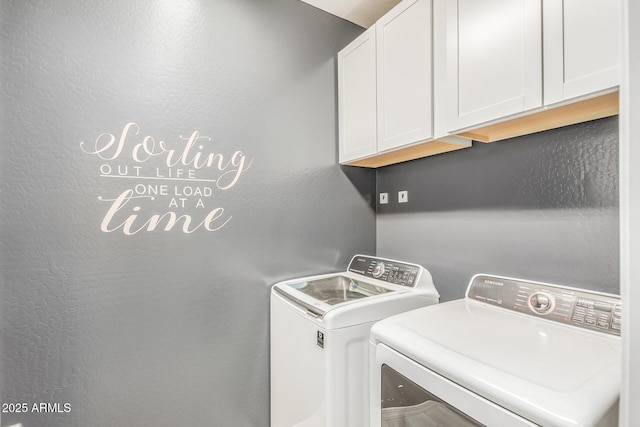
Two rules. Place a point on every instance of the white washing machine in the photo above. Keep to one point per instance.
(511, 353)
(319, 338)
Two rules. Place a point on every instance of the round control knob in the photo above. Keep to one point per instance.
(378, 270)
(541, 302)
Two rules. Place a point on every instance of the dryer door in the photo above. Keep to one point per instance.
(405, 403)
(404, 393)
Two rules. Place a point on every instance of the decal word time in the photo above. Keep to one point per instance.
(142, 163)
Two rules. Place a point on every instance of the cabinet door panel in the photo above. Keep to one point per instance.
(404, 55)
(581, 47)
(357, 97)
(494, 59)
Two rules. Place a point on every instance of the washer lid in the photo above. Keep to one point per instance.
(549, 373)
(337, 289)
(320, 294)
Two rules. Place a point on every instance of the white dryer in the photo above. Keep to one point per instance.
(320, 333)
(511, 353)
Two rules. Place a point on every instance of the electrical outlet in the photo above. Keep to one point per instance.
(403, 196)
(384, 198)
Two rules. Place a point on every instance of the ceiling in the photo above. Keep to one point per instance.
(361, 12)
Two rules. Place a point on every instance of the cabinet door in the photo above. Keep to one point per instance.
(357, 97)
(494, 59)
(581, 47)
(404, 57)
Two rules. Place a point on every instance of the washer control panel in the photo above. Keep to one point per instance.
(578, 307)
(398, 273)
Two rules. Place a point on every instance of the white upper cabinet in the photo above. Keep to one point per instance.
(357, 97)
(494, 59)
(581, 48)
(508, 60)
(404, 80)
(431, 75)
(388, 85)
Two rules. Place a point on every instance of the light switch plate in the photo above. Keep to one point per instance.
(384, 198)
(403, 196)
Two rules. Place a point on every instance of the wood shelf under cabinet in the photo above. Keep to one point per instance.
(412, 152)
(598, 107)
(552, 118)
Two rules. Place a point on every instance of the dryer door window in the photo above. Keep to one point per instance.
(404, 403)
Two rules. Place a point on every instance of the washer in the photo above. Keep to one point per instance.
(319, 338)
(511, 353)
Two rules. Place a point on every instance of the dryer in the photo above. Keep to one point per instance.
(319, 338)
(511, 353)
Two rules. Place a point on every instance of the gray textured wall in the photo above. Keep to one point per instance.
(163, 328)
(541, 207)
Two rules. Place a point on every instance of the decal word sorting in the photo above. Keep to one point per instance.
(182, 157)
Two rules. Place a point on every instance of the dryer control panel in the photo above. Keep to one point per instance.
(578, 307)
(390, 271)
